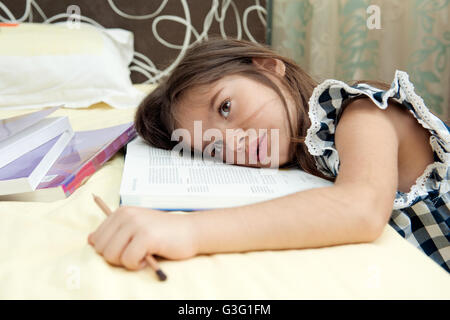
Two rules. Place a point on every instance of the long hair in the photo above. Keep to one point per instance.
(212, 60)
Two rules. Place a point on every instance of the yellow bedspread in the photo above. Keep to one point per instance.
(44, 253)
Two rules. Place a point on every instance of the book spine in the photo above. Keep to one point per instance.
(89, 168)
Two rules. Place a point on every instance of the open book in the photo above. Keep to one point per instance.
(159, 179)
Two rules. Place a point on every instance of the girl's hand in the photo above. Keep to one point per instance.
(130, 233)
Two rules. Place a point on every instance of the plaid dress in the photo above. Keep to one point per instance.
(422, 215)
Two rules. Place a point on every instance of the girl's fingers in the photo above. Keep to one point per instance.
(90, 239)
(117, 244)
(143, 264)
(104, 233)
(94, 236)
(133, 257)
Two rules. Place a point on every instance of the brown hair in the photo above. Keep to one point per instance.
(208, 62)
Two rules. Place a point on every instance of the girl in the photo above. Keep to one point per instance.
(387, 154)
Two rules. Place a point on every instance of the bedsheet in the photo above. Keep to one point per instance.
(44, 253)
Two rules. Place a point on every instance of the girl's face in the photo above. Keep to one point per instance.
(242, 121)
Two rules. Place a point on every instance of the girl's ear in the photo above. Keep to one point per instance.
(271, 65)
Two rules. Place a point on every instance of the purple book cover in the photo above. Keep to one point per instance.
(22, 167)
(84, 154)
(13, 125)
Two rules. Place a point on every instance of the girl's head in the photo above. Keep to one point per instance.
(244, 93)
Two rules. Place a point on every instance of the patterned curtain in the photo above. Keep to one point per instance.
(369, 40)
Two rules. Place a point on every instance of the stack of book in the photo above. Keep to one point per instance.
(43, 159)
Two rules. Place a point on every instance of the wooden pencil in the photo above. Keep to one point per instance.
(149, 258)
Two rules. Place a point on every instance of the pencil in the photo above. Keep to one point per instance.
(149, 258)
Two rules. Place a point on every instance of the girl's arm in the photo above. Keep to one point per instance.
(355, 209)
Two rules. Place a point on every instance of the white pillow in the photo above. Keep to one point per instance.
(45, 65)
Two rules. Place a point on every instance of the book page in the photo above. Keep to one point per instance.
(149, 170)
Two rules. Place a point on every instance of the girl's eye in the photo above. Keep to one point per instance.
(225, 108)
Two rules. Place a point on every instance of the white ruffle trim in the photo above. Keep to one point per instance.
(405, 89)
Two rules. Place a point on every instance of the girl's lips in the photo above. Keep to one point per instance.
(258, 149)
(253, 151)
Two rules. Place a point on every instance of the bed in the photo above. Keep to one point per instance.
(45, 255)
(44, 249)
